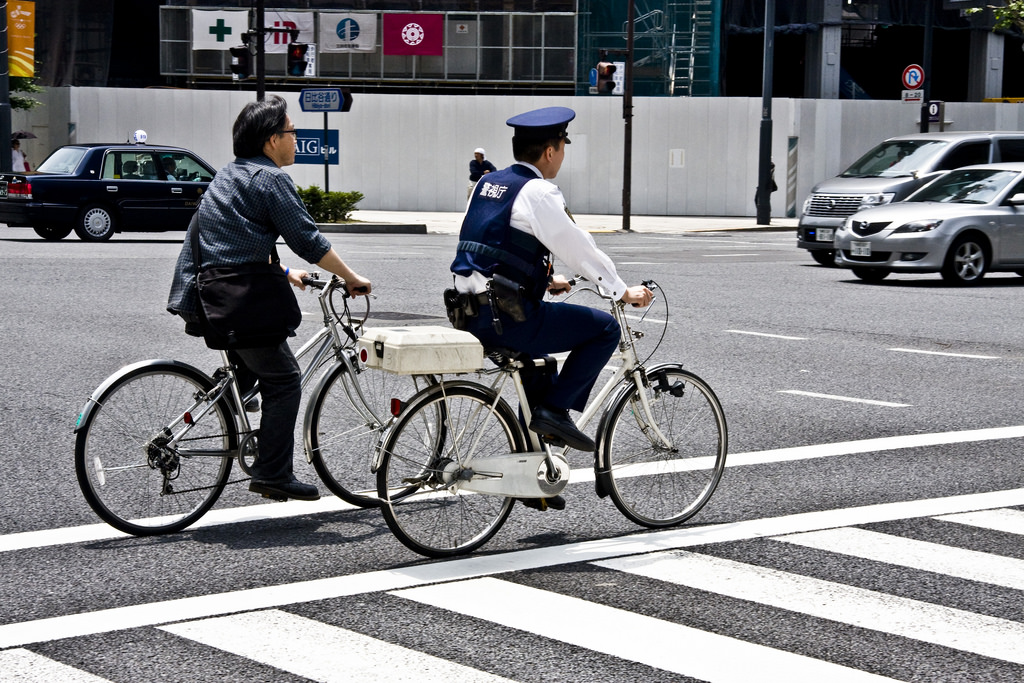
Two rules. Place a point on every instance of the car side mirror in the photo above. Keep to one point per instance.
(1016, 200)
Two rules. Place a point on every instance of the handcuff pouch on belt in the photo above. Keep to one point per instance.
(502, 294)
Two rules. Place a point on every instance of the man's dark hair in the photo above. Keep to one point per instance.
(531, 150)
(256, 123)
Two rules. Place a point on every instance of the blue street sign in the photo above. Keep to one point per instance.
(309, 146)
(324, 99)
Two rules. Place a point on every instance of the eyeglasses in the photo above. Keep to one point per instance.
(290, 130)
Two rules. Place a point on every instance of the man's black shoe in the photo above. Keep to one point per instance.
(557, 423)
(284, 490)
(542, 504)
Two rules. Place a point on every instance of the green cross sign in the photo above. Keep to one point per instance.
(220, 30)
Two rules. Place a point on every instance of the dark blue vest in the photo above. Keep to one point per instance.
(489, 244)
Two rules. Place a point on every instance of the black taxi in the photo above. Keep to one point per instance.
(99, 189)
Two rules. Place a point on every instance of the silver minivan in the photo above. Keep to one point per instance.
(891, 172)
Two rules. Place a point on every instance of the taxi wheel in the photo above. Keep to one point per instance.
(52, 232)
(824, 257)
(871, 274)
(95, 224)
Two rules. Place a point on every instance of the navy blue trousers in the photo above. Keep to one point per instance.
(589, 335)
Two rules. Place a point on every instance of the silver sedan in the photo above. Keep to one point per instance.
(963, 224)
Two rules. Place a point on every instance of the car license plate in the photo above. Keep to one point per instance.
(860, 248)
(3, 189)
(826, 234)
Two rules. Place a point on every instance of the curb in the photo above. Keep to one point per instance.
(390, 228)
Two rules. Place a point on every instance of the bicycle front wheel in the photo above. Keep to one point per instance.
(131, 476)
(661, 467)
(343, 431)
(441, 435)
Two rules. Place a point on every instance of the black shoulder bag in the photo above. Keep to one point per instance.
(244, 306)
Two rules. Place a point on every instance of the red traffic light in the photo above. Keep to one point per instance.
(240, 62)
(605, 80)
(297, 59)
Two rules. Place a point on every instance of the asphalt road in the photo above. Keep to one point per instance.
(865, 419)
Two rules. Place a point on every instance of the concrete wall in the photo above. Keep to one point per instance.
(691, 156)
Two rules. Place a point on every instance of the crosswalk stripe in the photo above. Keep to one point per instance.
(322, 652)
(927, 622)
(908, 552)
(627, 635)
(24, 666)
(1006, 520)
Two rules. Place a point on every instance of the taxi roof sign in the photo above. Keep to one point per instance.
(325, 99)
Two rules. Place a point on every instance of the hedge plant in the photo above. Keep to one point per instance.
(329, 207)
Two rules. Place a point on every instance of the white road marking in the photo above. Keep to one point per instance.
(322, 652)
(254, 513)
(721, 255)
(1007, 521)
(972, 565)
(944, 353)
(202, 606)
(24, 666)
(630, 636)
(958, 629)
(848, 399)
(765, 334)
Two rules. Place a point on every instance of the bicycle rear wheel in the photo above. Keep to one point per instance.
(130, 476)
(441, 432)
(661, 469)
(343, 434)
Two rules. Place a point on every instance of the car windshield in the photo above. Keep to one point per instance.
(64, 160)
(895, 158)
(969, 186)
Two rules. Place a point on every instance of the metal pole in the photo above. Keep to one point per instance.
(6, 164)
(261, 51)
(327, 151)
(763, 194)
(926, 64)
(627, 114)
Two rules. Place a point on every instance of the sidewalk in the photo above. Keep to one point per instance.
(449, 222)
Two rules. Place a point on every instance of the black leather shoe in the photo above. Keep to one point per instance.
(557, 423)
(294, 489)
(252, 405)
(542, 504)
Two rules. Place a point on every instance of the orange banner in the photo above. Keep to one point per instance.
(21, 36)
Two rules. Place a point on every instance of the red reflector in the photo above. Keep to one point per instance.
(397, 406)
(363, 355)
(187, 418)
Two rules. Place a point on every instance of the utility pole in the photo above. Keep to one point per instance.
(926, 64)
(764, 169)
(627, 114)
(261, 50)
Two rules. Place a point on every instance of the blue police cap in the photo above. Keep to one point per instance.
(542, 124)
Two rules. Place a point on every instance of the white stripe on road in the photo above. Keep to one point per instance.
(630, 636)
(252, 513)
(1007, 521)
(23, 666)
(765, 334)
(944, 353)
(321, 652)
(972, 565)
(721, 255)
(848, 399)
(202, 606)
(923, 621)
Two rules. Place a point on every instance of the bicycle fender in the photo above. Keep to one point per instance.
(600, 466)
(94, 400)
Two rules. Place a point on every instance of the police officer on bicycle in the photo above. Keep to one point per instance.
(515, 222)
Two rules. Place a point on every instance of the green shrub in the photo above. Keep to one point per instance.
(329, 207)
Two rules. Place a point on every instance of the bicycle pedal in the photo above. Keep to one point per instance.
(553, 440)
(271, 496)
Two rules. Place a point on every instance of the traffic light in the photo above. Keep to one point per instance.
(605, 83)
(297, 59)
(240, 63)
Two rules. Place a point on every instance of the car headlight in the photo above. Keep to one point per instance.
(869, 200)
(919, 226)
(807, 207)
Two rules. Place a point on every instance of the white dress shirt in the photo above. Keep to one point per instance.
(539, 209)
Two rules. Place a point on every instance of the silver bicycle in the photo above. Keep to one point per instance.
(457, 457)
(155, 442)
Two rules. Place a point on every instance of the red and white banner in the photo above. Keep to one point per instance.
(413, 34)
(277, 43)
